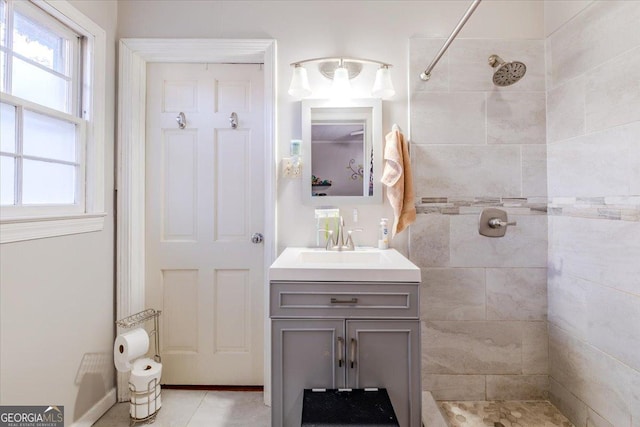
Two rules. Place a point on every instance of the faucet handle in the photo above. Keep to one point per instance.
(330, 241)
(350, 244)
(328, 236)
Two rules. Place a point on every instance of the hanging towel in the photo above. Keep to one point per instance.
(396, 176)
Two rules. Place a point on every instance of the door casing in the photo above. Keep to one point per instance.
(134, 54)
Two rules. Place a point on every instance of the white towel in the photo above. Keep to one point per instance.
(396, 176)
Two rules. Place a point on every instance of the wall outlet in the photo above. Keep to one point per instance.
(291, 169)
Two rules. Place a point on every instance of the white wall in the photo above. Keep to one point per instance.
(57, 294)
(307, 29)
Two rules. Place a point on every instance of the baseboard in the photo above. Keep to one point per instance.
(98, 410)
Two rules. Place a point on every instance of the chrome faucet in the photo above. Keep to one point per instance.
(338, 242)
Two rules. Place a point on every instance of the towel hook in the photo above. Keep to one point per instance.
(182, 120)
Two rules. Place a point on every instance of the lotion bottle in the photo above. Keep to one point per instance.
(383, 234)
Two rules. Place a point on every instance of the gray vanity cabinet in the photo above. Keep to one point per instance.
(302, 357)
(344, 335)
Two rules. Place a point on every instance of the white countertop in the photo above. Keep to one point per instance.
(361, 265)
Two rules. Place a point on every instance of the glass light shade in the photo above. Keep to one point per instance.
(383, 87)
(341, 88)
(299, 86)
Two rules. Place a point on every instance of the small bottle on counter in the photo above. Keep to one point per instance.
(383, 234)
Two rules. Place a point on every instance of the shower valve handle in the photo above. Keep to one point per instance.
(498, 223)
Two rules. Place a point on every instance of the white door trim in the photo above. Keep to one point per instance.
(134, 54)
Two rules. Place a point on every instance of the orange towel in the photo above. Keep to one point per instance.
(396, 175)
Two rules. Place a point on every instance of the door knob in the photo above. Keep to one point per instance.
(257, 238)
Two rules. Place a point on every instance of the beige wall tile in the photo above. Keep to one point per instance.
(534, 170)
(421, 52)
(516, 118)
(634, 399)
(601, 251)
(471, 347)
(599, 164)
(452, 294)
(429, 240)
(455, 387)
(467, 171)
(597, 379)
(470, 71)
(516, 293)
(517, 387)
(614, 323)
(613, 92)
(602, 31)
(566, 110)
(567, 300)
(524, 245)
(436, 118)
(570, 406)
(558, 12)
(595, 420)
(535, 348)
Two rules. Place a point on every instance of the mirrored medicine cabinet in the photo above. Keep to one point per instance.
(342, 152)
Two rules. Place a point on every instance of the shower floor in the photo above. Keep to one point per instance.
(503, 414)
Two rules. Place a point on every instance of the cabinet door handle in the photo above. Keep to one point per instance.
(344, 301)
(340, 351)
(352, 357)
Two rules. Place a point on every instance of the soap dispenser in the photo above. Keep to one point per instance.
(383, 234)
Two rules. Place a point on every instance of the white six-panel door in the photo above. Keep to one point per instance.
(204, 201)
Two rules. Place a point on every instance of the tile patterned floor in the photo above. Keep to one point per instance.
(503, 414)
(192, 408)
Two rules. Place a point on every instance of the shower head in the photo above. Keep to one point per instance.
(507, 73)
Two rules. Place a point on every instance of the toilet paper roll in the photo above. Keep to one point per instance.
(143, 372)
(144, 409)
(129, 346)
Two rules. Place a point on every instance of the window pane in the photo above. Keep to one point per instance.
(47, 137)
(2, 65)
(7, 180)
(40, 86)
(38, 43)
(7, 128)
(3, 22)
(48, 183)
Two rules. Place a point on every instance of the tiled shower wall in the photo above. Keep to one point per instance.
(593, 118)
(474, 145)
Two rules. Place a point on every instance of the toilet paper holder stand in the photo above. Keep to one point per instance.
(153, 387)
(140, 318)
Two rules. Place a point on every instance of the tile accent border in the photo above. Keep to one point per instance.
(474, 205)
(610, 208)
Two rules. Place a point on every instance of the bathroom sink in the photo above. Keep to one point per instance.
(361, 265)
(344, 257)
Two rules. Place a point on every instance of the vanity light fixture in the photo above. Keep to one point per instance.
(340, 70)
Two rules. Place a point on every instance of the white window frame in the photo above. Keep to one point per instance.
(52, 223)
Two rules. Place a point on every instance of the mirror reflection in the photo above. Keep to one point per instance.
(342, 151)
(339, 164)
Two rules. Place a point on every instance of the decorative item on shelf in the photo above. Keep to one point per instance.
(317, 182)
(318, 185)
(355, 173)
(341, 70)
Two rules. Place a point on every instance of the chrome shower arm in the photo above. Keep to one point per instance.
(426, 75)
